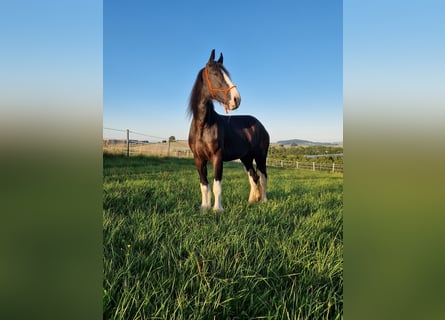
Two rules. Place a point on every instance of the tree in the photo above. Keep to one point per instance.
(172, 139)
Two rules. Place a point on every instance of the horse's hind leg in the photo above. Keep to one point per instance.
(262, 172)
(254, 195)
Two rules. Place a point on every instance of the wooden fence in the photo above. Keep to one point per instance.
(312, 166)
(180, 149)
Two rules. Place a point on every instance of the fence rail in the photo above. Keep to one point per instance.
(133, 143)
(312, 166)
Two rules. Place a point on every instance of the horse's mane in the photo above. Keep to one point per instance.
(195, 95)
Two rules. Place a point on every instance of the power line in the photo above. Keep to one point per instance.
(147, 135)
(138, 133)
(114, 129)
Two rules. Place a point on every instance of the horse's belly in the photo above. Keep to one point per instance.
(230, 156)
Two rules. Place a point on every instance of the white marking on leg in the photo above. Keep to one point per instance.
(254, 195)
(205, 192)
(234, 92)
(217, 190)
(263, 186)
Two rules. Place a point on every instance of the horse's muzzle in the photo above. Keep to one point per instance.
(235, 101)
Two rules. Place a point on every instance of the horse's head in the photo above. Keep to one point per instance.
(219, 83)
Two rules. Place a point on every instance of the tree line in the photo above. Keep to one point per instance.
(318, 154)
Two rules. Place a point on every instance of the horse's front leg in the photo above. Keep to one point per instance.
(201, 166)
(217, 182)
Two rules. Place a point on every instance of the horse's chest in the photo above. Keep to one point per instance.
(205, 148)
(205, 144)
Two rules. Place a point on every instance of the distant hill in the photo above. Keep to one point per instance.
(300, 142)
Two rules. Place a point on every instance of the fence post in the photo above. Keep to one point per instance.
(297, 165)
(128, 143)
(168, 150)
(313, 166)
(333, 167)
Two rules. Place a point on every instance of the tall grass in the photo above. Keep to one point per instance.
(166, 259)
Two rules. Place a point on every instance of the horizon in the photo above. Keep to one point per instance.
(155, 139)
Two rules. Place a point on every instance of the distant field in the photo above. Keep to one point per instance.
(166, 259)
(174, 148)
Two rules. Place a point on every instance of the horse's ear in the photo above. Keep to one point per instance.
(220, 60)
(212, 56)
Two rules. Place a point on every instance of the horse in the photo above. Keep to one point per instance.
(216, 138)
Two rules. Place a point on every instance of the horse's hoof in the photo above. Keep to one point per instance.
(254, 199)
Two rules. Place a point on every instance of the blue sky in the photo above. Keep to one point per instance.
(284, 56)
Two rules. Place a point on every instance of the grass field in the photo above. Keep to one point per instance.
(166, 259)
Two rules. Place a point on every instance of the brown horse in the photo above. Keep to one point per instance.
(217, 138)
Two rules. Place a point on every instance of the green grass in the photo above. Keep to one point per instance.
(166, 259)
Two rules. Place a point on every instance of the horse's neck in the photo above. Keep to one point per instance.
(205, 113)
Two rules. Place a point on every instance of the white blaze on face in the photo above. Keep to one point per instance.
(233, 92)
(217, 190)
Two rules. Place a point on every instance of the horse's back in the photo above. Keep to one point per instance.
(252, 126)
(244, 135)
(244, 122)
